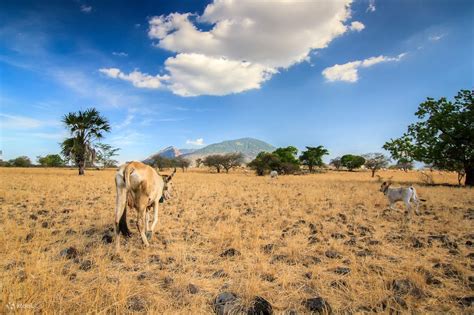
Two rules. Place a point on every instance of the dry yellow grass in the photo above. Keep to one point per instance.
(44, 211)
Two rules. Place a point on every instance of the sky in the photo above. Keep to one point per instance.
(347, 75)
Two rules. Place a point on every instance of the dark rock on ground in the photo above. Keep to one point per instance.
(268, 248)
(86, 265)
(332, 254)
(267, 277)
(350, 242)
(219, 274)
(449, 270)
(317, 305)
(467, 301)
(230, 252)
(69, 253)
(137, 304)
(29, 237)
(364, 253)
(70, 232)
(45, 225)
(33, 217)
(107, 239)
(405, 286)
(154, 259)
(341, 270)
(224, 303)
(338, 236)
(193, 289)
(143, 276)
(416, 243)
(260, 306)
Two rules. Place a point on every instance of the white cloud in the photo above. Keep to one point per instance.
(120, 54)
(22, 122)
(248, 41)
(86, 8)
(137, 78)
(196, 74)
(357, 26)
(198, 142)
(371, 7)
(435, 38)
(348, 72)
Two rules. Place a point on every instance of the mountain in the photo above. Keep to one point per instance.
(169, 152)
(249, 147)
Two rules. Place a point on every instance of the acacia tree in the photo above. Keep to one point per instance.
(375, 161)
(51, 160)
(265, 162)
(336, 162)
(181, 162)
(313, 156)
(213, 161)
(352, 162)
(443, 136)
(198, 162)
(289, 162)
(85, 127)
(105, 154)
(231, 160)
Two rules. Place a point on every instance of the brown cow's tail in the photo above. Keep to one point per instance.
(123, 227)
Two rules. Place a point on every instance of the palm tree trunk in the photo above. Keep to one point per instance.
(81, 168)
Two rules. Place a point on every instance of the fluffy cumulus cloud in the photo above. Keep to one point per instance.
(245, 44)
(137, 78)
(349, 72)
(199, 142)
(357, 26)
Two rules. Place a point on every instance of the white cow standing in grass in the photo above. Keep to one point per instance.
(274, 174)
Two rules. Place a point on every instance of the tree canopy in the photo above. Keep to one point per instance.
(352, 162)
(443, 136)
(313, 157)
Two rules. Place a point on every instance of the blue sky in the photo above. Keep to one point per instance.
(346, 75)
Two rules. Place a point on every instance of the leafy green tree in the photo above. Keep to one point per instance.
(313, 157)
(21, 161)
(443, 136)
(352, 162)
(51, 160)
(105, 154)
(85, 127)
(265, 162)
(375, 161)
(289, 162)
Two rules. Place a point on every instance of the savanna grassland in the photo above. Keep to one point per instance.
(286, 240)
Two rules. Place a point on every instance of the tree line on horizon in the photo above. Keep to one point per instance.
(443, 139)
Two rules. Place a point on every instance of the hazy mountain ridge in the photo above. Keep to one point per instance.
(249, 147)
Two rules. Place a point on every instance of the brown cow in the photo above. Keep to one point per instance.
(138, 186)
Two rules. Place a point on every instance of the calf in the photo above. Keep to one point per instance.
(405, 194)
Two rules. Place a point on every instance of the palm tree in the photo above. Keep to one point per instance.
(85, 127)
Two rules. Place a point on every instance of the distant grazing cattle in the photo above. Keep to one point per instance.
(405, 194)
(274, 174)
(139, 186)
